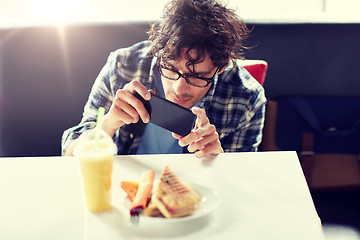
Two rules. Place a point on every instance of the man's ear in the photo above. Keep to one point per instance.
(223, 68)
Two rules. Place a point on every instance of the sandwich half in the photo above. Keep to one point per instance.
(172, 198)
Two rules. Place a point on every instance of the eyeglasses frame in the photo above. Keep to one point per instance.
(186, 75)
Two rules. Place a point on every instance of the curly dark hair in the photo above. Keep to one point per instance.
(203, 25)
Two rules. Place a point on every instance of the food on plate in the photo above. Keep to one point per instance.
(167, 197)
(144, 190)
(171, 197)
(130, 188)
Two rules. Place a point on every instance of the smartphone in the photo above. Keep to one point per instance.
(169, 115)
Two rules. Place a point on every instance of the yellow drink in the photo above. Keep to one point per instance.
(96, 163)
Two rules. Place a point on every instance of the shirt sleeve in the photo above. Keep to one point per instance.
(247, 135)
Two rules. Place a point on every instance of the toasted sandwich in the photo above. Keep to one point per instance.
(172, 198)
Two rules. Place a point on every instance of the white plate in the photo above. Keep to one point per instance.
(210, 200)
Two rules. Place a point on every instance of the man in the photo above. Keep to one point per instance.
(190, 59)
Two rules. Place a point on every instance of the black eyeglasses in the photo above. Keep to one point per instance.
(193, 79)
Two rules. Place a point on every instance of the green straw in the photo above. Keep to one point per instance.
(99, 123)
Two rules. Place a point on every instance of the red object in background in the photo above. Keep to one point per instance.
(257, 69)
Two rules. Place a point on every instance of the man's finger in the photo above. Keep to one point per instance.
(201, 119)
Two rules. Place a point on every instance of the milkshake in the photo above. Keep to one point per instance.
(95, 155)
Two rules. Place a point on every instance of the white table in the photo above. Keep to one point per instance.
(263, 196)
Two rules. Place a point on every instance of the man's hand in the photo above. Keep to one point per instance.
(126, 108)
(203, 139)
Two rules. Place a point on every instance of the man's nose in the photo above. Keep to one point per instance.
(181, 86)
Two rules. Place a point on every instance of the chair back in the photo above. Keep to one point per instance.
(257, 68)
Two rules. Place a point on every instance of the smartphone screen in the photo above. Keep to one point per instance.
(169, 115)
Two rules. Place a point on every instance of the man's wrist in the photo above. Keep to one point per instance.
(107, 126)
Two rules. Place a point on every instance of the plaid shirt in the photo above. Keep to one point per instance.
(235, 102)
